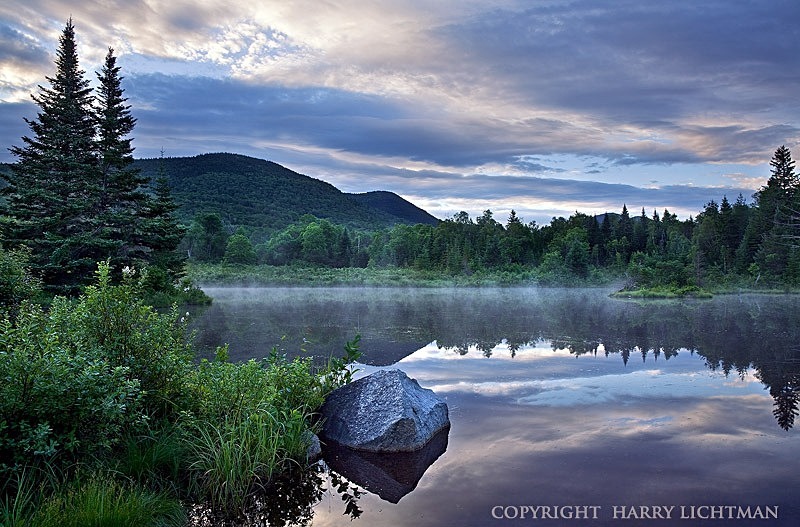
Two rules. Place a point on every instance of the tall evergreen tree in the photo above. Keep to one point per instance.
(773, 216)
(121, 200)
(74, 197)
(625, 234)
(161, 231)
(52, 188)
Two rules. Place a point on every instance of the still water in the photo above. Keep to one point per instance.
(567, 407)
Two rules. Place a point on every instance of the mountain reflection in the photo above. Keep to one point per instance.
(734, 335)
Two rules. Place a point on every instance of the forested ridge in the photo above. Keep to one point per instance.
(745, 242)
(264, 197)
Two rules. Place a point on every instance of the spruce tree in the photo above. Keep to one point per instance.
(162, 234)
(121, 200)
(74, 198)
(767, 240)
(52, 188)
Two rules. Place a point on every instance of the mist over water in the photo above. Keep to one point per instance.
(558, 396)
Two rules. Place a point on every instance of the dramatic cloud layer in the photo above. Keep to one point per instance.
(545, 107)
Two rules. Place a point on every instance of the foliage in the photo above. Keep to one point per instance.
(232, 458)
(16, 282)
(52, 189)
(104, 380)
(251, 418)
(101, 500)
(73, 197)
(77, 375)
(113, 322)
(239, 249)
(206, 239)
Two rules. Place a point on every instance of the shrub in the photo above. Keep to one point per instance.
(55, 402)
(16, 282)
(74, 377)
(111, 322)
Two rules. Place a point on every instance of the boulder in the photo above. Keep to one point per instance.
(383, 412)
(314, 451)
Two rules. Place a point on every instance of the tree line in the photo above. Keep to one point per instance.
(73, 199)
(734, 243)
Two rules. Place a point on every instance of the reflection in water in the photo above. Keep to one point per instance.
(391, 475)
(733, 334)
(288, 501)
(556, 397)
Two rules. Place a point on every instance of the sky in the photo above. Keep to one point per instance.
(545, 107)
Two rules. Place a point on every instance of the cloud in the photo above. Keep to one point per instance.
(452, 106)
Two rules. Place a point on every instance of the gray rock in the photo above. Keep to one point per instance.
(383, 412)
(314, 451)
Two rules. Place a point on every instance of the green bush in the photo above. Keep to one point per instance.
(56, 402)
(16, 282)
(76, 376)
(104, 380)
(111, 322)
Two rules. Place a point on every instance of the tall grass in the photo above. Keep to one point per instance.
(20, 496)
(232, 460)
(155, 458)
(102, 501)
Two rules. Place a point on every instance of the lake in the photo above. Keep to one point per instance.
(567, 407)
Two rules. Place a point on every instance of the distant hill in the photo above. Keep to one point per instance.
(396, 206)
(266, 196)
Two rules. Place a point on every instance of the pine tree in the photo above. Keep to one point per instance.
(162, 232)
(767, 238)
(74, 198)
(52, 188)
(121, 201)
(625, 233)
(783, 177)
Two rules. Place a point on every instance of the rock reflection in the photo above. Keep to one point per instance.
(391, 475)
(734, 334)
(290, 499)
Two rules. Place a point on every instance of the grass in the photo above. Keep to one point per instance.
(235, 458)
(296, 275)
(664, 292)
(155, 458)
(100, 500)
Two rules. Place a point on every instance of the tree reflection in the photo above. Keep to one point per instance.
(735, 335)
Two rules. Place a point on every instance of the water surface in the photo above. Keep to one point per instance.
(562, 402)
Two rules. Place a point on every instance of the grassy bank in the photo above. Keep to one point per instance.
(268, 275)
(107, 419)
(311, 276)
(663, 293)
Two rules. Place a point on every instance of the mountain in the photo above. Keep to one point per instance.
(393, 204)
(266, 197)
